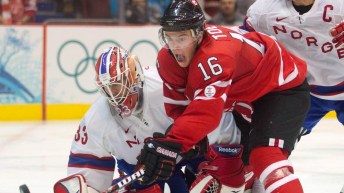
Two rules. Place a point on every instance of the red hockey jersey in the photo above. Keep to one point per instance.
(227, 69)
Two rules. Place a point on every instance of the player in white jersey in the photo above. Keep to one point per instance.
(303, 26)
(115, 128)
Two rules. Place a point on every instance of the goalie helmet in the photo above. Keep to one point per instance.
(119, 78)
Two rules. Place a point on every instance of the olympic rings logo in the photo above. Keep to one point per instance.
(84, 63)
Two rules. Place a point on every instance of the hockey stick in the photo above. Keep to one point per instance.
(24, 189)
(126, 181)
(121, 184)
(131, 179)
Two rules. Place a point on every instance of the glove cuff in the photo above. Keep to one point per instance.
(224, 150)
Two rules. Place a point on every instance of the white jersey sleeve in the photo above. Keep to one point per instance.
(306, 36)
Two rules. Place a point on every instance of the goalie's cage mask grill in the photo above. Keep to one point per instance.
(119, 77)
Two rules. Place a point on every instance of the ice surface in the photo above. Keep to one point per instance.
(36, 154)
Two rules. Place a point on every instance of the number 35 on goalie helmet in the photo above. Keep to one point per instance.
(119, 78)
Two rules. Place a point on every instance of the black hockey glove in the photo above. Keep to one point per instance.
(159, 159)
(198, 150)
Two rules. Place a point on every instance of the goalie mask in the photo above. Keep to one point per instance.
(119, 78)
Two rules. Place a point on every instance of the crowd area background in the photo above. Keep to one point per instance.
(35, 54)
(230, 12)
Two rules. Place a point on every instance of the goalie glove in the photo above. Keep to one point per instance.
(158, 157)
(338, 35)
(223, 172)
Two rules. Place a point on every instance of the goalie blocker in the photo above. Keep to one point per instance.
(222, 172)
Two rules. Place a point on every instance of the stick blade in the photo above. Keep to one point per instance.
(24, 189)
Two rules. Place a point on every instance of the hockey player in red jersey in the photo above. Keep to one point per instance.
(208, 70)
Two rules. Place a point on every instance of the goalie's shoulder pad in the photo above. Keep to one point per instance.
(73, 183)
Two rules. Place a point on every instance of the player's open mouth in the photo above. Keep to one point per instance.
(180, 58)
